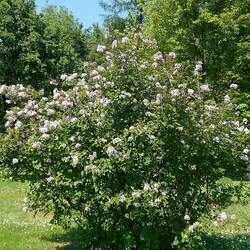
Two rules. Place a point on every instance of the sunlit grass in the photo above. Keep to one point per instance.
(234, 232)
(20, 230)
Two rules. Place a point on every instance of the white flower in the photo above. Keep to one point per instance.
(125, 39)
(191, 228)
(105, 102)
(158, 85)
(126, 216)
(122, 198)
(217, 139)
(137, 204)
(157, 186)
(25, 209)
(246, 131)
(114, 44)
(246, 150)
(180, 129)
(75, 160)
(222, 216)
(116, 140)
(175, 92)
(244, 158)
(146, 102)
(198, 67)
(178, 66)
(204, 88)
(3, 89)
(100, 69)
(111, 151)
(245, 120)
(190, 91)
(136, 194)
(233, 86)
(14, 161)
(158, 57)
(154, 65)
(104, 141)
(90, 167)
(93, 156)
(63, 77)
(227, 99)
(78, 145)
(49, 179)
(158, 99)
(186, 217)
(101, 49)
(50, 111)
(146, 187)
(36, 145)
(149, 114)
(152, 137)
(43, 130)
(18, 124)
(54, 82)
(171, 56)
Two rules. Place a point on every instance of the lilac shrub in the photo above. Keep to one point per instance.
(131, 150)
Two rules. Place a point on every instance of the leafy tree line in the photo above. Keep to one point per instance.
(35, 47)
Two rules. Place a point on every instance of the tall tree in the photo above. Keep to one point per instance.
(119, 10)
(215, 32)
(36, 48)
(63, 42)
(19, 42)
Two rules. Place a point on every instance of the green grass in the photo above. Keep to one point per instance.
(22, 231)
(232, 234)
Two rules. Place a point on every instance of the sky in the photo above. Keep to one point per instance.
(87, 11)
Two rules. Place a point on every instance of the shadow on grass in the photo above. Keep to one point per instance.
(229, 242)
(74, 240)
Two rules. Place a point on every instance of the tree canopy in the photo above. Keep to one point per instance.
(214, 32)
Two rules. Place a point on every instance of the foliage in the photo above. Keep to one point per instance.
(214, 32)
(64, 45)
(94, 36)
(132, 149)
(19, 42)
(36, 48)
(121, 11)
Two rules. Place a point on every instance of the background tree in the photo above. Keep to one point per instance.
(215, 32)
(36, 48)
(63, 47)
(120, 10)
(20, 39)
(19, 45)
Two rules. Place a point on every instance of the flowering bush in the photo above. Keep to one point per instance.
(131, 150)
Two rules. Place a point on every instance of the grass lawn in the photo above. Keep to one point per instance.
(19, 230)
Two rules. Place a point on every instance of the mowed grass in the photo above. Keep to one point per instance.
(231, 234)
(20, 230)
